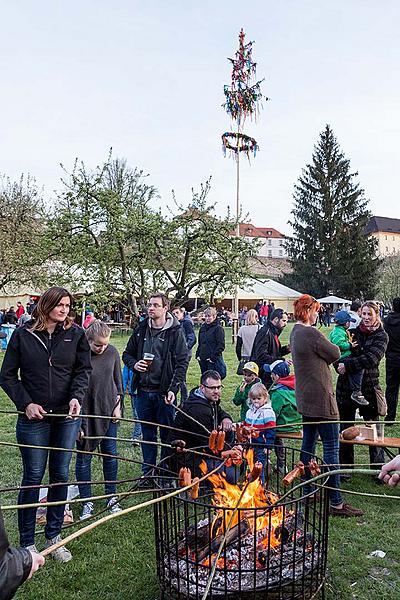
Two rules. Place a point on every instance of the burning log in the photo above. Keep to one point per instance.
(233, 534)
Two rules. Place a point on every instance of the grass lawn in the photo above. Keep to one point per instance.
(117, 560)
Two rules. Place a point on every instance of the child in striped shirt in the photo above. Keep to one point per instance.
(261, 416)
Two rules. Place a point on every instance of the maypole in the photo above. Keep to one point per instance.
(242, 100)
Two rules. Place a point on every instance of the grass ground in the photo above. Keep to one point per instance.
(117, 560)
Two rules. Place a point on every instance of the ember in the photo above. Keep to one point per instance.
(260, 548)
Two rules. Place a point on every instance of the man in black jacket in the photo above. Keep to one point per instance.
(392, 328)
(157, 354)
(267, 347)
(203, 405)
(16, 565)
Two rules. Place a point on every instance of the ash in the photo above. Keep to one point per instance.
(248, 568)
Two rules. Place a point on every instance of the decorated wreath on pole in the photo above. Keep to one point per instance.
(242, 143)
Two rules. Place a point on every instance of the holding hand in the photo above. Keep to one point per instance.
(170, 398)
(394, 478)
(74, 409)
(341, 369)
(141, 366)
(34, 411)
(226, 424)
(37, 561)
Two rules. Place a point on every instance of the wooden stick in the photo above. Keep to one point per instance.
(125, 511)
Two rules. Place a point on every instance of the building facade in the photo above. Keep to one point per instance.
(387, 233)
(272, 241)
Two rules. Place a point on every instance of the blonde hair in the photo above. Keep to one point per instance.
(374, 306)
(258, 389)
(252, 317)
(48, 302)
(97, 329)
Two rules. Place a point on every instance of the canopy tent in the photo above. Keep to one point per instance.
(267, 289)
(335, 300)
(10, 296)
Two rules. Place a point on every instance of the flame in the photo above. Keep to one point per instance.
(265, 522)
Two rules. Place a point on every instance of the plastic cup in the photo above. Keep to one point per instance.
(148, 357)
(380, 430)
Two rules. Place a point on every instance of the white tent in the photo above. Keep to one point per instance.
(267, 289)
(334, 300)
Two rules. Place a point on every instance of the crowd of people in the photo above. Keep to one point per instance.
(54, 372)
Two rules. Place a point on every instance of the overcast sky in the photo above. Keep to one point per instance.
(147, 79)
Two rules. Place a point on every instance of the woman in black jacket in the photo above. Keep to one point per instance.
(372, 342)
(211, 344)
(46, 370)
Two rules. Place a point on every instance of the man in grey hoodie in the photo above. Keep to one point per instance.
(157, 354)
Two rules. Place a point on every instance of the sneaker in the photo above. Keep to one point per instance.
(32, 548)
(87, 511)
(113, 505)
(61, 554)
(345, 511)
(359, 398)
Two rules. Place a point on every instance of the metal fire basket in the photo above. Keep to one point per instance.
(283, 559)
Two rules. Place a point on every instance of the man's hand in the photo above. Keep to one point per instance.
(226, 424)
(141, 366)
(170, 398)
(341, 369)
(393, 465)
(74, 409)
(37, 561)
(34, 411)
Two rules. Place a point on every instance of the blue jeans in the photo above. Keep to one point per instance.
(58, 433)
(150, 406)
(137, 428)
(83, 467)
(329, 434)
(355, 380)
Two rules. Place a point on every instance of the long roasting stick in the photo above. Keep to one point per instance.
(125, 511)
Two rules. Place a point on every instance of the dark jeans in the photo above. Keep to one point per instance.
(346, 451)
(219, 366)
(83, 467)
(392, 389)
(137, 428)
(355, 380)
(150, 406)
(58, 433)
(329, 434)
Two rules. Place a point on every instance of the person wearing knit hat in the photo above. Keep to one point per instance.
(250, 377)
(283, 400)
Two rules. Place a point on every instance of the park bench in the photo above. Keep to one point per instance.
(387, 443)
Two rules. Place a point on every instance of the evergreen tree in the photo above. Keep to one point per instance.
(329, 251)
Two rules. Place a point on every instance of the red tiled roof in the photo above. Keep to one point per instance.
(249, 230)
